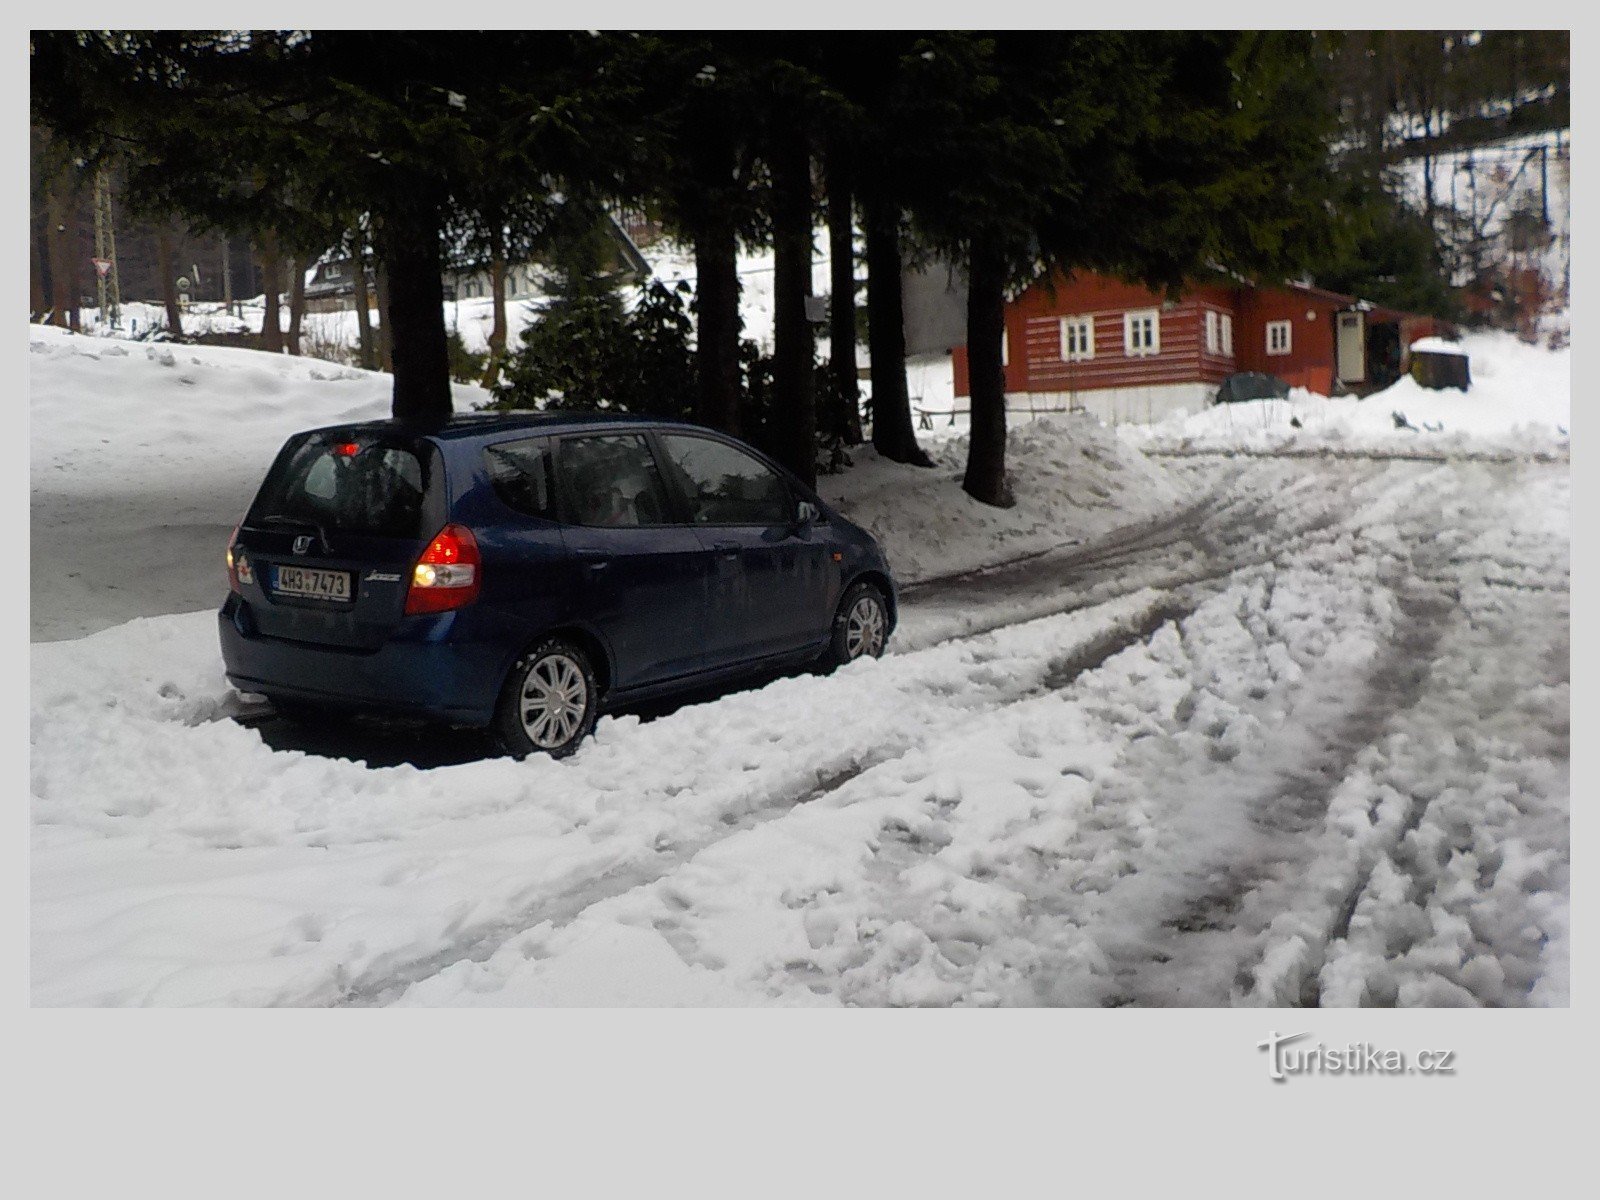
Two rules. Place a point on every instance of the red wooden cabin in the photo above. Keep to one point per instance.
(1129, 354)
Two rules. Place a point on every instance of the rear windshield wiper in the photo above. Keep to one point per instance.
(300, 523)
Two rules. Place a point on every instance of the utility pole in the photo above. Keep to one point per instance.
(105, 250)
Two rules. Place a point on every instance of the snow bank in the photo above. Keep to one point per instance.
(1520, 401)
(1072, 479)
(142, 456)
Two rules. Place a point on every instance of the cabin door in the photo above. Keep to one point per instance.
(1350, 347)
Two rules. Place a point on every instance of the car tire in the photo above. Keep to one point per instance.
(860, 627)
(549, 703)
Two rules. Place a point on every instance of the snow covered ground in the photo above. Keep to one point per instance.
(1251, 727)
(1520, 401)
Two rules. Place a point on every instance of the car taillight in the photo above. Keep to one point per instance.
(238, 563)
(446, 576)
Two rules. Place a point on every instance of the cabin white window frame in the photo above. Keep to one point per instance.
(1225, 324)
(1213, 331)
(1141, 332)
(1280, 337)
(1077, 339)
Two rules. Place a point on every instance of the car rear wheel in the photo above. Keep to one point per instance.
(860, 626)
(549, 703)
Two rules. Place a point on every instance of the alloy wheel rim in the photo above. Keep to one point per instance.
(555, 697)
(864, 629)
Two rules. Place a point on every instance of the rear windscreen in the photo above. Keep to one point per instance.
(361, 485)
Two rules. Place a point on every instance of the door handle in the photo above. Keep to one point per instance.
(726, 549)
(596, 565)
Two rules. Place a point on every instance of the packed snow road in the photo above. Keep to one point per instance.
(1303, 740)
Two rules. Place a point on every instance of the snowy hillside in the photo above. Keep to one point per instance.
(1509, 206)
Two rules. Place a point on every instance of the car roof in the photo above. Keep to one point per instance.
(485, 426)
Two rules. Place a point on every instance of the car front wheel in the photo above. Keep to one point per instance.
(549, 703)
(860, 626)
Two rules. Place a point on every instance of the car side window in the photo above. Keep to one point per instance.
(520, 473)
(611, 479)
(725, 485)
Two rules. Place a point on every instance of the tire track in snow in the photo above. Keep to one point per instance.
(1228, 898)
(1225, 916)
(564, 906)
(1329, 453)
(1203, 532)
(1237, 524)
(1061, 672)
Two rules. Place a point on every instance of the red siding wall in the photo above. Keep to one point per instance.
(1033, 332)
(1309, 363)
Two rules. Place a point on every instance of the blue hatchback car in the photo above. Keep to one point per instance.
(526, 573)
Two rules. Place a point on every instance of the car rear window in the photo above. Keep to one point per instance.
(359, 484)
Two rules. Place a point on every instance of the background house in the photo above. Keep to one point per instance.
(1127, 353)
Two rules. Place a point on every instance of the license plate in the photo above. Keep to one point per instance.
(311, 583)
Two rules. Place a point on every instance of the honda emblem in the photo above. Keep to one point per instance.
(302, 543)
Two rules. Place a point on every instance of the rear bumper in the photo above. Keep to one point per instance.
(433, 668)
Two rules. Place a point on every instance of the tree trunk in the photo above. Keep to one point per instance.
(227, 275)
(380, 283)
(55, 235)
(362, 300)
(845, 415)
(271, 286)
(169, 283)
(892, 434)
(297, 301)
(714, 167)
(408, 248)
(794, 347)
(497, 333)
(986, 450)
(717, 324)
(1428, 206)
(72, 244)
(38, 266)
